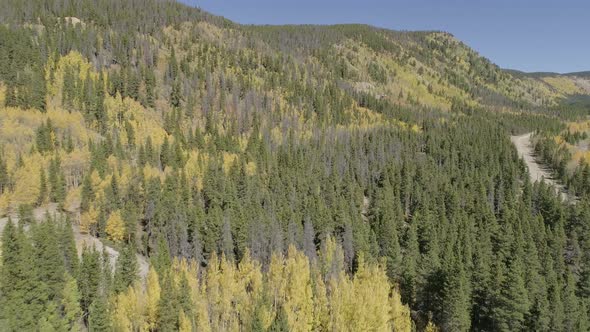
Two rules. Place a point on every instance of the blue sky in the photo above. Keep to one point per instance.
(528, 35)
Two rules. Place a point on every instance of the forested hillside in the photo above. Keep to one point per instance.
(276, 178)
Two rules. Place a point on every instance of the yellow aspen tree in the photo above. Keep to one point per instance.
(430, 327)
(400, 313)
(184, 323)
(88, 219)
(228, 289)
(276, 282)
(249, 288)
(128, 314)
(371, 295)
(298, 303)
(341, 303)
(197, 299)
(202, 311)
(153, 290)
(321, 313)
(115, 226)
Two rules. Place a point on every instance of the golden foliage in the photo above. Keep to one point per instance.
(88, 219)
(72, 201)
(145, 122)
(400, 313)
(298, 303)
(152, 298)
(229, 297)
(115, 226)
(58, 67)
(129, 308)
(563, 85)
(27, 180)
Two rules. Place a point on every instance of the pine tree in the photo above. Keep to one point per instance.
(87, 195)
(176, 94)
(99, 319)
(126, 269)
(57, 184)
(456, 306)
(161, 259)
(49, 259)
(100, 112)
(168, 306)
(23, 292)
(3, 175)
(70, 302)
(227, 243)
(513, 301)
(42, 188)
(89, 278)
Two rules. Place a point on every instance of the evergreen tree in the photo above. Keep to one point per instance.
(42, 188)
(99, 319)
(126, 269)
(87, 195)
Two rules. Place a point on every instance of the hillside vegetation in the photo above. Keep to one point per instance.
(300, 178)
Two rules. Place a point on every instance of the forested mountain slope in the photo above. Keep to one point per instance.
(276, 177)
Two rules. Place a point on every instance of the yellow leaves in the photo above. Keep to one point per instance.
(72, 201)
(72, 122)
(251, 168)
(400, 313)
(145, 122)
(579, 126)
(228, 160)
(115, 226)
(563, 85)
(136, 309)
(88, 219)
(298, 295)
(129, 308)
(4, 204)
(196, 166)
(152, 298)
(18, 134)
(202, 311)
(559, 140)
(431, 327)
(579, 155)
(371, 294)
(321, 310)
(249, 291)
(17, 127)
(229, 297)
(27, 180)
(184, 324)
(71, 60)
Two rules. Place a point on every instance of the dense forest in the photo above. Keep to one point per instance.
(165, 169)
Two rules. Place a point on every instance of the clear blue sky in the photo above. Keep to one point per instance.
(528, 35)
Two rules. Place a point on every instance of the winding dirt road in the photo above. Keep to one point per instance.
(537, 171)
(83, 239)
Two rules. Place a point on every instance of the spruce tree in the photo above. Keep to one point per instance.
(42, 188)
(99, 319)
(126, 269)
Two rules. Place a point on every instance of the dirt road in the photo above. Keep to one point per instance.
(83, 239)
(536, 170)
